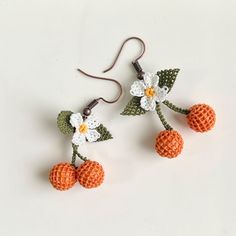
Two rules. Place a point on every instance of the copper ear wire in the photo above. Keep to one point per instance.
(135, 61)
(88, 108)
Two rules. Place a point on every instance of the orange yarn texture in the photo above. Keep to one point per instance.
(63, 176)
(169, 143)
(201, 118)
(90, 174)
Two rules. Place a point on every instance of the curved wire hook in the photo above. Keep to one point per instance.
(119, 52)
(108, 79)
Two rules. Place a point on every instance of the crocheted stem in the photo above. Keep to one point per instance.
(75, 153)
(162, 118)
(74, 147)
(82, 157)
(175, 108)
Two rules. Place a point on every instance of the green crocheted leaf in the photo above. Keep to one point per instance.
(63, 122)
(133, 108)
(167, 77)
(105, 134)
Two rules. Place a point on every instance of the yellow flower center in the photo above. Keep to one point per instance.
(83, 128)
(150, 92)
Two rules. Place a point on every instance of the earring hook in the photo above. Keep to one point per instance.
(121, 48)
(108, 79)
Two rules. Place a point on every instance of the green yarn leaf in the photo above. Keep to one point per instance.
(105, 134)
(167, 78)
(133, 108)
(63, 122)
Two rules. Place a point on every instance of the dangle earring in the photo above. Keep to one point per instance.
(149, 91)
(84, 128)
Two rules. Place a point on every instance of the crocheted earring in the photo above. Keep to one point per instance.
(84, 128)
(149, 91)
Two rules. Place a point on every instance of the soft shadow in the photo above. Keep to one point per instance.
(43, 174)
(47, 122)
(148, 138)
(180, 119)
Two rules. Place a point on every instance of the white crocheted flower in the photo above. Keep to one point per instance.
(84, 129)
(149, 90)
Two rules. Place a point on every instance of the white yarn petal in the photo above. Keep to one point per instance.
(148, 104)
(155, 80)
(147, 77)
(161, 94)
(137, 88)
(92, 122)
(76, 119)
(92, 135)
(78, 138)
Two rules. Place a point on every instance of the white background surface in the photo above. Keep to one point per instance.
(41, 45)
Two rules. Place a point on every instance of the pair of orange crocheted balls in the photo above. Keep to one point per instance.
(63, 176)
(201, 118)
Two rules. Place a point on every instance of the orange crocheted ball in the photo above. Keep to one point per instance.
(63, 176)
(90, 174)
(169, 143)
(201, 118)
